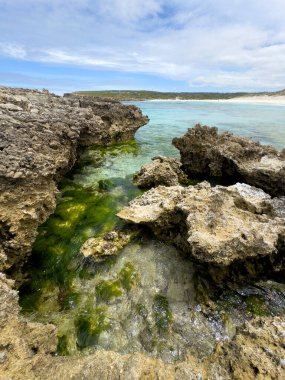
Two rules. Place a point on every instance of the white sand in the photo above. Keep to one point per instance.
(255, 99)
(259, 99)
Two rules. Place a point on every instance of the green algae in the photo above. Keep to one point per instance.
(142, 310)
(109, 289)
(257, 306)
(89, 325)
(106, 290)
(63, 345)
(162, 313)
(63, 287)
(83, 211)
(128, 276)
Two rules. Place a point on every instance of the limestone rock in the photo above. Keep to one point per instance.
(217, 225)
(205, 152)
(164, 171)
(256, 352)
(39, 136)
(110, 244)
(22, 344)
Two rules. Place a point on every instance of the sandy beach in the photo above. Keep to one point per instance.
(258, 99)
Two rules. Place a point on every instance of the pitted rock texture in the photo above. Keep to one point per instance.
(256, 352)
(39, 136)
(98, 249)
(165, 171)
(23, 345)
(217, 225)
(205, 152)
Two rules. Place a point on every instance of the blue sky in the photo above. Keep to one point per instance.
(179, 45)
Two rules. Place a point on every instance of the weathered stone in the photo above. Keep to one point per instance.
(232, 158)
(39, 135)
(23, 344)
(256, 352)
(217, 225)
(98, 249)
(164, 171)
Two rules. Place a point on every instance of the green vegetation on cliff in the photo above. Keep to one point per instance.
(150, 95)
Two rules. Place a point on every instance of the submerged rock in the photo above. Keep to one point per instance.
(205, 152)
(217, 225)
(164, 171)
(108, 245)
(39, 134)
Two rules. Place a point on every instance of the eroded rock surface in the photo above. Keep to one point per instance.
(110, 244)
(217, 225)
(165, 171)
(39, 135)
(23, 344)
(233, 158)
(256, 352)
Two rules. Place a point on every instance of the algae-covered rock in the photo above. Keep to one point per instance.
(165, 171)
(39, 134)
(205, 152)
(217, 225)
(108, 245)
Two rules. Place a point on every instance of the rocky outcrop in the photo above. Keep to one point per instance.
(23, 345)
(165, 171)
(217, 225)
(256, 352)
(204, 152)
(39, 136)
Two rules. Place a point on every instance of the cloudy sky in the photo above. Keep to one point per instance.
(178, 45)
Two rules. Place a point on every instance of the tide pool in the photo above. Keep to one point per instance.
(158, 309)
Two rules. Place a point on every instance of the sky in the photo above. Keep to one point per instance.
(178, 45)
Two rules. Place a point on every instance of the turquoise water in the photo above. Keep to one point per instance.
(65, 289)
(171, 119)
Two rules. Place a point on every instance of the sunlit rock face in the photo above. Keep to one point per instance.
(232, 158)
(40, 133)
(164, 171)
(217, 225)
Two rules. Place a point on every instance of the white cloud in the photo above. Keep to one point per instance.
(233, 45)
(13, 50)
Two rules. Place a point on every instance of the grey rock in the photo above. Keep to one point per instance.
(39, 136)
(206, 152)
(164, 171)
(217, 225)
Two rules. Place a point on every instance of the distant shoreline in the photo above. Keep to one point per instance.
(265, 98)
(261, 99)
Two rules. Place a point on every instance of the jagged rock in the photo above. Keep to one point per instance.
(110, 244)
(256, 352)
(217, 225)
(39, 134)
(23, 344)
(205, 152)
(164, 171)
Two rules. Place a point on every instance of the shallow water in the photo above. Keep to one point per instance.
(148, 298)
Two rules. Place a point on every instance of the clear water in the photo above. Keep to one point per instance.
(145, 299)
(171, 119)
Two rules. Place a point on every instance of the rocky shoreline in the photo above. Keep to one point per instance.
(40, 134)
(218, 226)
